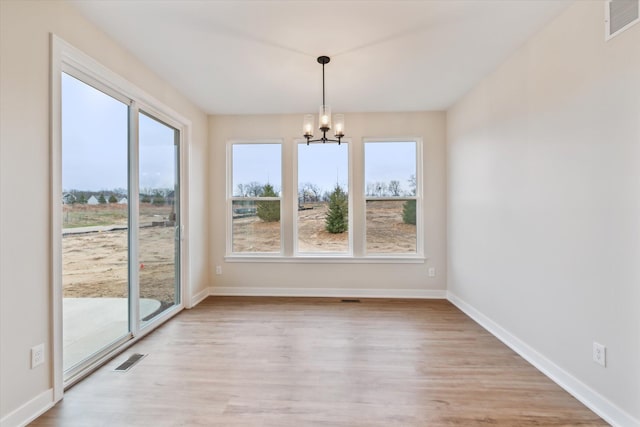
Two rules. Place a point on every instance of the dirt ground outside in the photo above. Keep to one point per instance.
(386, 232)
(95, 263)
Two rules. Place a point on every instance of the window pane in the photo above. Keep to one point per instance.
(390, 169)
(158, 235)
(256, 225)
(391, 226)
(254, 166)
(95, 221)
(257, 172)
(323, 183)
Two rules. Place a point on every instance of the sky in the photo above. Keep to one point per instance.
(324, 165)
(393, 161)
(320, 164)
(95, 142)
(94, 151)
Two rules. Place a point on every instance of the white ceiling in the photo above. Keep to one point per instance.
(259, 57)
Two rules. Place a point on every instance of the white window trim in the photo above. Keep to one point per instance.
(230, 199)
(418, 198)
(289, 228)
(329, 259)
(68, 59)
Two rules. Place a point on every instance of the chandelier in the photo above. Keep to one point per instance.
(324, 118)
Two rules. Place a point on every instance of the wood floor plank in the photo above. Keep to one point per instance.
(265, 362)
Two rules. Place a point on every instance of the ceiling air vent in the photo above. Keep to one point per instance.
(620, 15)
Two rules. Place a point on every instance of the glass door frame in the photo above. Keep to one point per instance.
(138, 323)
(77, 370)
(66, 58)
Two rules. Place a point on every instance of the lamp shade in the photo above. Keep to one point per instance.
(338, 125)
(324, 120)
(307, 125)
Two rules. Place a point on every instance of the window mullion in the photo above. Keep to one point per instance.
(358, 208)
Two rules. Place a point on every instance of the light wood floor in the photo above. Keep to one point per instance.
(320, 362)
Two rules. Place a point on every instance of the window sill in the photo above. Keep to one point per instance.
(329, 259)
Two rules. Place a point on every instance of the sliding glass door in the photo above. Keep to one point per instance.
(95, 140)
(121, 220)
(159, 230)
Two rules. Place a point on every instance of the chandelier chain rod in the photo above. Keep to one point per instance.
(323, 102)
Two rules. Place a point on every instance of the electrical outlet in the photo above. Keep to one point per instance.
(599, 354)
(218, 269)
(432, 272)
(37, 355)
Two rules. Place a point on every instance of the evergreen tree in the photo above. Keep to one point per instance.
(409, 212)
(268, 210)
(336, 220)
(82, 199)
(101, 199)
(112, 199)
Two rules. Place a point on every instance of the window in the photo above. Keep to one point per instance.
(325, 210)
(391, 197)
(323, 199)
(255, 202)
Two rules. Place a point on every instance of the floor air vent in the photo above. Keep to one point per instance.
(350, 300)
(127, 364)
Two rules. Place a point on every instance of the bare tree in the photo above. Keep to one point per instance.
(254, 189)
(310, 192)
(394, 188)
(314, 190)
(120, 192)
(412, 185)
(377, 189)
(370, 191)
(241, 192)
(147, 191)
(303, 196)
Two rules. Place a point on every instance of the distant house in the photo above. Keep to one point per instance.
(93, 201)
(68, 198)
(123, 201)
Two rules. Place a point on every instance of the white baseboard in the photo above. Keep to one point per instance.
(199, 297)
(589, 397)
(29, 411)
(329, 292)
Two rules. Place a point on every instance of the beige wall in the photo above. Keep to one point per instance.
(542, 205)
(543, 200)
(25, 246)
(296, 276)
